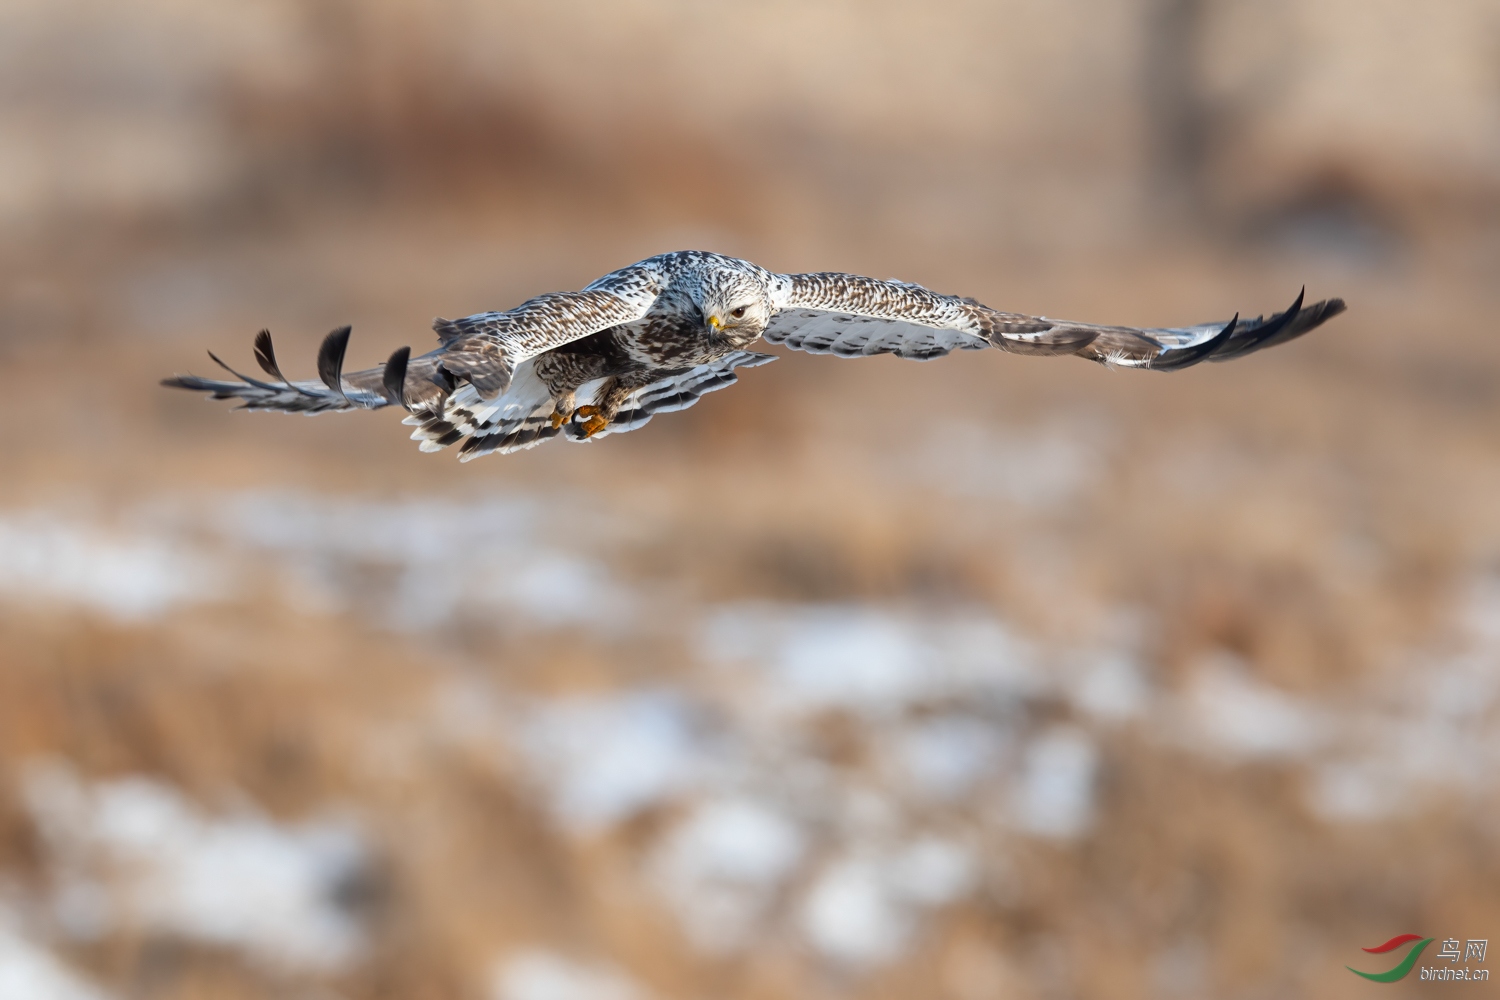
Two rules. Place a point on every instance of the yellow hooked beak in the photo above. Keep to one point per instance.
(715, 324)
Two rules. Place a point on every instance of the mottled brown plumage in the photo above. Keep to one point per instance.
(655, 336)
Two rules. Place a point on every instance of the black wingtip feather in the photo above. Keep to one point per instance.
(394, 377)
(331, 360)
(1289, 325)
(265, 355)
(1310, 318)
(1173, 360)
(1266, 333)
(1287, 318)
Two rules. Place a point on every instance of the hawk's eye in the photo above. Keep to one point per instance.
(738, 313)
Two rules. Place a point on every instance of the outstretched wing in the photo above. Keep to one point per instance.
(852, 316)
(334, 390)
(482, 350)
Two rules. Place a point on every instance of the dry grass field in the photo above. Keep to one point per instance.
(990, 677)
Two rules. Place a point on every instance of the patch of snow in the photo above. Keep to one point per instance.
(1462, 689)
(943, 758)
(603, 759)
(932, 871)
(851, 657)
(1352, 791)
(82, 907)
(1109, 687)
(1229, 712)
(551, 589)
(1055, 793)
(402, 531)
(44, 559)
(850, 915)
(242, 881)
(1391, 763)
(872, 660)
(31, 972)
(485, 558)
(720, 869)
(536, 974)
(863, 909)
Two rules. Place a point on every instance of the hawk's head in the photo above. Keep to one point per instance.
(735, 306)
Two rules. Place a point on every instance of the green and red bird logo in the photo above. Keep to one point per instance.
(1404, 966)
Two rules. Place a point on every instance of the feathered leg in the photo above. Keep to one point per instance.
(597, 415)
(615, 392)
(562, 374)
(563, 407)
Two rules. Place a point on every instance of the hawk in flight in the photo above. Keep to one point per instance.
(655, 336)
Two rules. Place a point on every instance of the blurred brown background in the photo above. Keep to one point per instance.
(994, 677)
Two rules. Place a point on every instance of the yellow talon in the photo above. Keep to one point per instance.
(560, 417)
(594, 421)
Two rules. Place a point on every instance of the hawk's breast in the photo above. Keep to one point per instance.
(670, 340)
